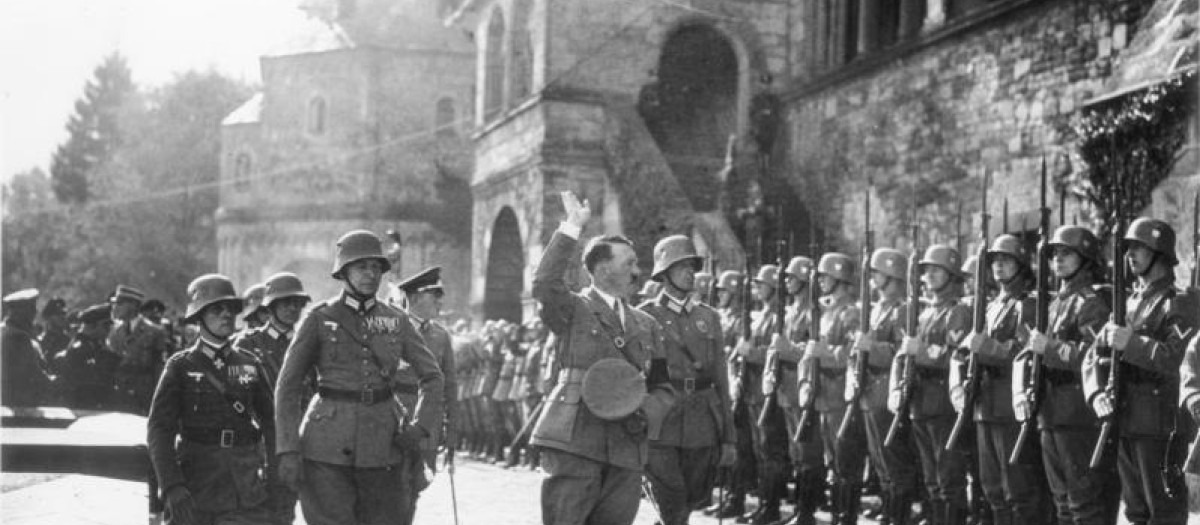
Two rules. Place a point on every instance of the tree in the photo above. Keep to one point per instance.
(95, 130)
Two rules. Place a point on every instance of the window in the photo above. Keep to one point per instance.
(243, 168)
(522, 66)
(493, 82)
(316, 116)
(444, 119)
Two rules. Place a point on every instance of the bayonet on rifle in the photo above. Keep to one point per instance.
(1033, 388)
(978, 324)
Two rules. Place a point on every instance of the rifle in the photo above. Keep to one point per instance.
(911, 320)
(1192, 464)
(711, 300)
(808, 411)
(978, 325)
(1196, 240)
(739, 393)
(776, 370)
(864, 322)
(1041, 321)
(1118, 318)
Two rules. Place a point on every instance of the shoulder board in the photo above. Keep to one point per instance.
(1099, 288)
(244, 353)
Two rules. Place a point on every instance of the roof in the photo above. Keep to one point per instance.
(316, 36)
(247, 113)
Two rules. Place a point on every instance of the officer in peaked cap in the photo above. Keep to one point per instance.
(593, 464)
(423, 294)
(282, 299)
(211, 418)
(697, 434)
(143, 346)
(86, 368)
(347, 461)
(23, 377)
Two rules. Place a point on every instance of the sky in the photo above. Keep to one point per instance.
(49, 48)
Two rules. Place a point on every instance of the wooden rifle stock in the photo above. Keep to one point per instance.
(780, 316)
(911, 321)
(1033, 387)
(1118, 318)
(864, 325)
(978, 327)
(812, 375)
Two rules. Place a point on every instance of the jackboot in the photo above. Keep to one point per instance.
(885, 499)
(955, 514)
(899, 509)
(768, 513)
(733, 506)
(851, 498)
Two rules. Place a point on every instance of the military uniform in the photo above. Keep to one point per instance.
(215, 399)
(681, 463)
(742, 478)
(1147, 411)
(23, 378)
(593, 465)
(143, 346)
(350, 461)
(86, 371)
(770, 438)
(807, 455)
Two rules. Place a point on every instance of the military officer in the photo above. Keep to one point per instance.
(345, 462)
(697, 433)
(86, 368)
(142, 345)
(1068, 428)
(1149, 350)
(592, 433)
(283, 299)
(827, 355)
(943, 324)
(1014, 492)
(23, 377)
(895, 464)
(215, 400)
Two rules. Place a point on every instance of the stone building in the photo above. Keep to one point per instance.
(362, 122)
(631, 103)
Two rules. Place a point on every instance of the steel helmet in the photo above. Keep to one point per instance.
(768, 274)
(281, 286)
(943, 256)
(801, 267)
(206, 290)
(890, 262)
(837, 265)
(612, 388)
(356, 246)
(970, 266)
(729, 279)
(1154, 234)
(704, 280)
(1077, 238)
(673, 249)
(1009, 245)
(252, 298)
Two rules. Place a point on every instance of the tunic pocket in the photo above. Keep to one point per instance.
(557, 421)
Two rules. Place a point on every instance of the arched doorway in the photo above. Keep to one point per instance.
(505, 269)
(694, 108)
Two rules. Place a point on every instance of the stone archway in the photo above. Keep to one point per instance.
(694, 107)
(505, 278)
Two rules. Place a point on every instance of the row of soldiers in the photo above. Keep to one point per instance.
(815, 407)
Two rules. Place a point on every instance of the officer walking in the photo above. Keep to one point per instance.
(283, 299)
(86, 368)
(346, 462)
(215, 400)
(23, 378)
(697, 434)
(593, 436)
(142, 345)
(1149, 350)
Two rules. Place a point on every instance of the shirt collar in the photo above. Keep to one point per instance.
(360, 307)
(675, 305)
(212, 347)
(608, 299)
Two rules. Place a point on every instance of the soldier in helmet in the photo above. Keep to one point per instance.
(256, 313)
(741, 478)
(210, 418)
(345, 462)
(704, 288)
(87, 366)
(283, 299)
(1148, 349)
(142, 345)
(943, 324)
(826, 355)
(23, 377)
(1068, 428)
(697, 434)
(594, 427)
(1013, 492)
(897, 464)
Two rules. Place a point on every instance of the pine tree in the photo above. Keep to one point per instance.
(94, 128)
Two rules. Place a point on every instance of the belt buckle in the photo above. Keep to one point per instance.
(226, 438)
(367, 396)
(689, 384)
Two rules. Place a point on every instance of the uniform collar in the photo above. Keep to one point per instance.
(675, 305)
(212, 348)
(1155, 286)
(359, 307)
(419, 323)
(1081, 280)
(276, 333)
(947, 296)
(610, 300)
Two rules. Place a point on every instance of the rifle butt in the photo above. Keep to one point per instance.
(802, 425)
(894, 428)
(960, 424)
(1101, 444)
(847, 420)
(768, 406)
(1027, 428)
(1192, 464)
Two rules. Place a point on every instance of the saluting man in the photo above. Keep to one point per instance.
(1149, 350)
(215, 400)
(346, 461)
(593, 435)
(697, 433)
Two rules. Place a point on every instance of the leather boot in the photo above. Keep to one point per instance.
(851, 498)
(955, 514)
(899, 509)
(768, 513)
(885, 500)
(733, 506)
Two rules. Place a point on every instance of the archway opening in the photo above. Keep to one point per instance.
(694, 108)
(505, 269)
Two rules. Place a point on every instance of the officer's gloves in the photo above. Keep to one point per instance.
(409, 437)
(180, 506)
(291, 471)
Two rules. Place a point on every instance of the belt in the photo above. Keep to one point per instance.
(753, 367)
(932, 374)
(1060, 377)
(692, 384)
(830, 371)
(225, 437)
(405, 388)
(366, 396)
(790, 366)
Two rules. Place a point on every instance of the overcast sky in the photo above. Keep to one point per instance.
(48, 49)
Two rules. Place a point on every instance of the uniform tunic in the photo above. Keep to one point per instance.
(1147, 410)
(86, 372)
(143, 347)
(220, 455)
(23, 379)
